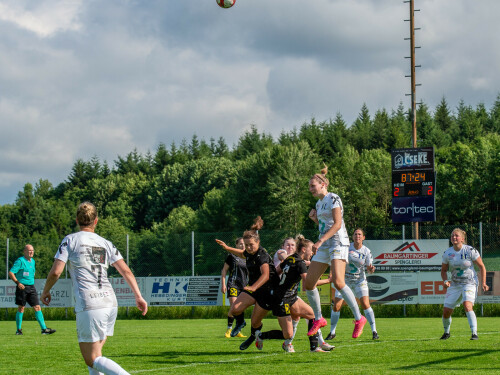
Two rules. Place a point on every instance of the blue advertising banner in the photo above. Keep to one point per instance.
(413, 209)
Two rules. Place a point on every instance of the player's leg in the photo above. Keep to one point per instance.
(243, 301)
(369, 314)
(20, 302)
(335, 314)
(469, 297)
(230, 317)
(316, 269)
(32, 299)
(452, 298)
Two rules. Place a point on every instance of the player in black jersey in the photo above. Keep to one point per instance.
(261, 276)
(294, 269)
(237, 280)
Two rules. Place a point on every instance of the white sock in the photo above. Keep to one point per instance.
(108, 366)
(320, 337)
(334, 317)
(447, 324)
(288, 341)
(471, 317)
(93, 371)
(315, 302)
(349, 298)
(370, 316)
(294, 325)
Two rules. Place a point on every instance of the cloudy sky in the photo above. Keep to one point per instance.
(101, 77)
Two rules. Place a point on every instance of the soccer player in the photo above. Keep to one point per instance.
(23, 274)
(89, 256)
(331, 248)
(360, 257)
(287, 248)
(237, 280)
(261, 276)
(459, 260)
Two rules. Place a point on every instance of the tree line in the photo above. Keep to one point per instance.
(211, 187)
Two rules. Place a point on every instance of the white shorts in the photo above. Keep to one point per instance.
(95, 325)
(360, 289)
(330, 250)
(458, 293)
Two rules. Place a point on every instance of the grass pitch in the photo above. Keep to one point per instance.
(406, 345)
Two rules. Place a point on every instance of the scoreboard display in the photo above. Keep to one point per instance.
(413, 185)
(410, 184)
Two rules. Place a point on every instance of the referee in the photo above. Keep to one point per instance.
(23, 274)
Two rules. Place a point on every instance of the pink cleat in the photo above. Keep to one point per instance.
(317, 324)
(358, 327)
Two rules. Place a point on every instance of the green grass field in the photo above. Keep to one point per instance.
(409, 345)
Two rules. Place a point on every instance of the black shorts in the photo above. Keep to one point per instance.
(28, 294)
(234, 290)
(263, 298)
(282, 308)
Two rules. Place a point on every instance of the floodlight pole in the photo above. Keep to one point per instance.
(413, 86)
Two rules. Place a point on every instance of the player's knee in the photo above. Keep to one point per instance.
(37, 308)
(20, 309)
(338, 284)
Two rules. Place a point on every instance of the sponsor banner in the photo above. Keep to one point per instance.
(413, 209)
(431, 288)
(411, 255)
(183, 291)
(393, 288)
(61, 293)
(412, 159)
(123, 292)
(493, 294)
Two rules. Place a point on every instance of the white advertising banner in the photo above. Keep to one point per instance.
(393, 288)
(493, 294)
(411, 255)
(123, 292)
(61, 293)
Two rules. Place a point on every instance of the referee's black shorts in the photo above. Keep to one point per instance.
(28, 294)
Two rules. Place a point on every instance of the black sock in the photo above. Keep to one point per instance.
(252, 330)
(274, 334)
(230, 321)
(239, 318)
(313, 340)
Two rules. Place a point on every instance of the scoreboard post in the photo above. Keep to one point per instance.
(413, 185)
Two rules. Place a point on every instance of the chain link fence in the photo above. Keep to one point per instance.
(198, 254)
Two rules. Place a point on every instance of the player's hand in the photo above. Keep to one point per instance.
(223, 289)
(20, 286)
(313, 215)
(370, 268)
(250, 288)
(316, 246)
(46, 298)
(222, 243)
(485, 288)
(141, 305)
(447, 284)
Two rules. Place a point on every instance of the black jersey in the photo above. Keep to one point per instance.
(254, 261)
(293, 267)
(238, 273)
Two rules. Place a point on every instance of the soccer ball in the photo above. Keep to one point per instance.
(226, 3)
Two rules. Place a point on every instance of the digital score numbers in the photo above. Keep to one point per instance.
(410, 184)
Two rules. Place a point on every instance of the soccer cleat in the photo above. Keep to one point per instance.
(237, 328)
(327, 347)
(228, 333)
(474, 337)
(330, 336)
(240, 335)
(48, 331)
(375, 335)
(358, 327)
(319, 350)
(19, 332)
(317, 324)
(245, 344)
(259, 343)
(288, 348)
(445, 336)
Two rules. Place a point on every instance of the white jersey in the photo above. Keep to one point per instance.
(324, 209)
(89, 256)
(460, 264)
(357, 262)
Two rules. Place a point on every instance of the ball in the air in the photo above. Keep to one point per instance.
(226, 3)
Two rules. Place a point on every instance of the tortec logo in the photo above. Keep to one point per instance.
(414, 210)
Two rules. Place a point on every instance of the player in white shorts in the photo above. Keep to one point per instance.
(360, 257)
(89, 256)
(330, 249)
(459, 260)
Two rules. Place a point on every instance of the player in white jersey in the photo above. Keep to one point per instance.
(330, 249)
(459, 260)
(360, 257)
(89, 256)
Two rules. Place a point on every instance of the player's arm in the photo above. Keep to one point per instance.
(264, 277)
(370, 267)
(52, 277)
(129, 277)
(313, 215)
(482, 269)
(223, 277)
(13, 277)
(322, 281)
(444, 275)
(337, 223)
(232, 250)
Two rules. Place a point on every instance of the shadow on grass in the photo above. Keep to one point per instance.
(467, 354)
